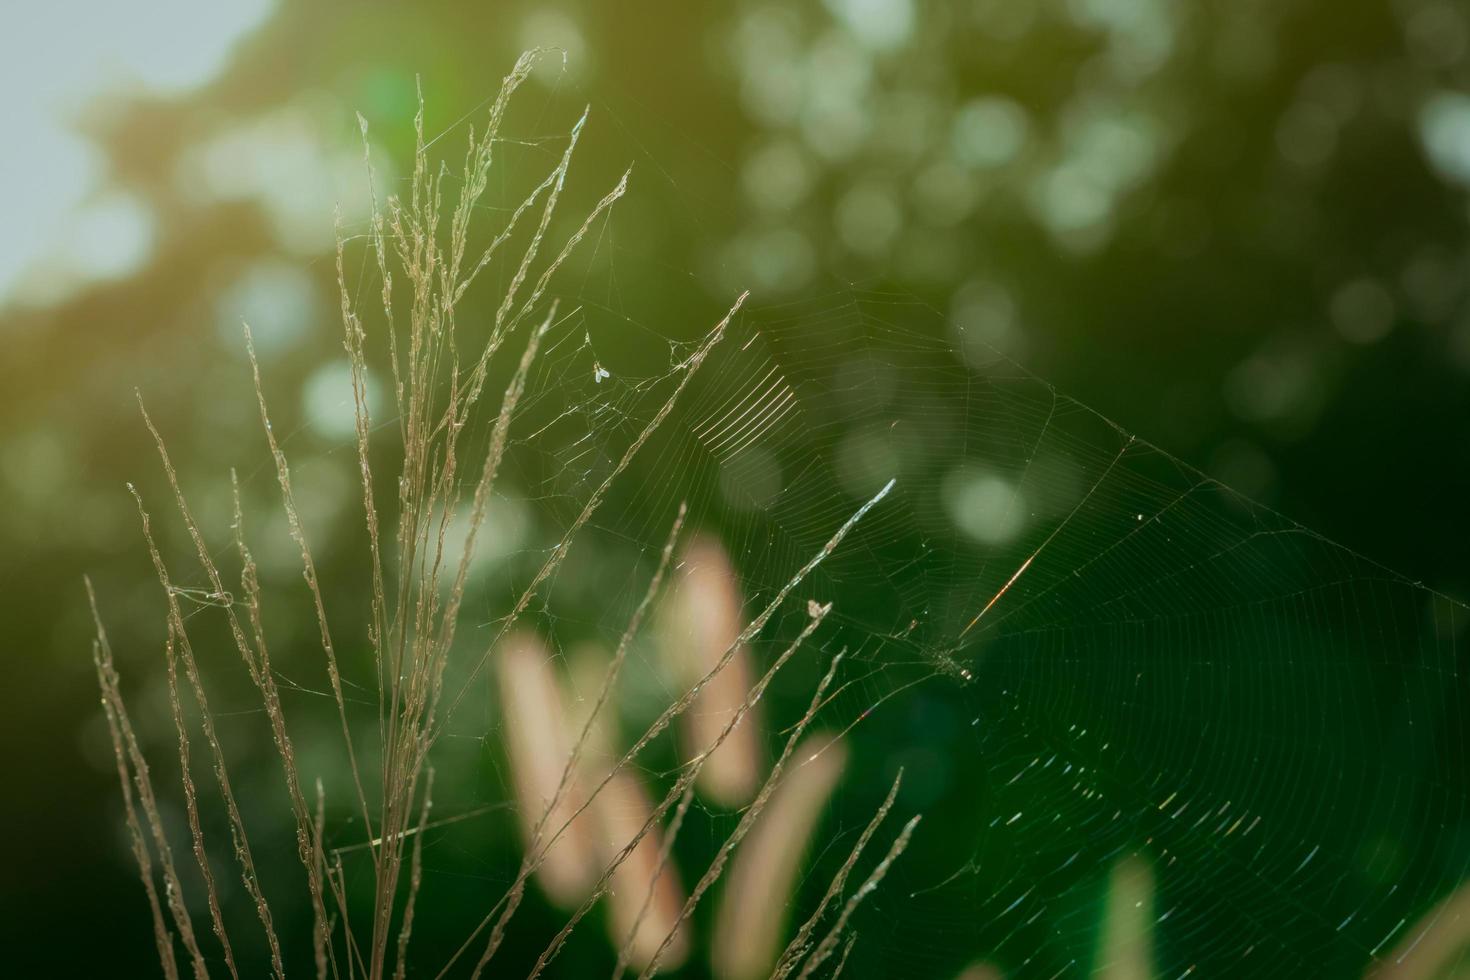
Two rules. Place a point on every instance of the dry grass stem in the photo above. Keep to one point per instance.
(133, 769)
(191, 807)
(758, 805)
(829, 942)
(657, 914)
(590, 824)
(239, 838)
(685, 780)
(758, 883)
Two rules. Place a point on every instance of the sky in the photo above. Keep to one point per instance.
(63, 65)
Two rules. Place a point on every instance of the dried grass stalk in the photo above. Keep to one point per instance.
(421, 244)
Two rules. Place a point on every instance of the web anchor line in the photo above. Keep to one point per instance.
(1049, 538)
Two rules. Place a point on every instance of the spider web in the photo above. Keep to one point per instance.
(1108, 654)
(1080, 648)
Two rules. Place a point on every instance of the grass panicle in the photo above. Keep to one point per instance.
(423, 249)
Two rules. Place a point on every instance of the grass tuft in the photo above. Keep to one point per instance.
(421, 245)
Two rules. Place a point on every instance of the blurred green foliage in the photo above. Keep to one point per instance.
(1237, 228)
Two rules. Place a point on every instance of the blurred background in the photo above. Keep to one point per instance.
(1240, 230)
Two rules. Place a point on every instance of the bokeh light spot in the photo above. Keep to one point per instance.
(984, 505)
